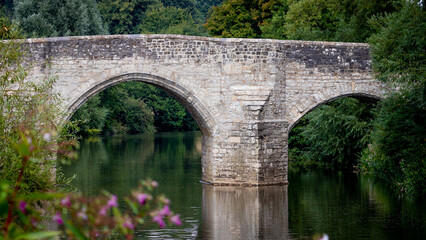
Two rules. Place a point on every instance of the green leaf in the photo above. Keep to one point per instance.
(36, 160)
(23, 218)
(3, 208)
(38, 235)
(75, 231)
(116, 212)
(43, 196)
(24, 149)
(133, 206)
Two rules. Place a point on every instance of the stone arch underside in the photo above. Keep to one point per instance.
(194, 106)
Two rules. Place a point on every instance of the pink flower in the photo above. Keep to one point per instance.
(112, 201)
(34, 222)
(82, 214)
(141, 197)
(165, 211)
(324, 237)
(176, 220)
(159, 219)
(103, 211)
(154, 184)
(58, 218)
(22, 206)
(166, 201)
(128, 224)
(66, 201)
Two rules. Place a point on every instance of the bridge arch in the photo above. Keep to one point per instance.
(194, 106)
(373, 98)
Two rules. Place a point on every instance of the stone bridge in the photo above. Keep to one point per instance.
(245, 94)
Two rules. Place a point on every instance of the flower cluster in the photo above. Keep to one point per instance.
(99, 217)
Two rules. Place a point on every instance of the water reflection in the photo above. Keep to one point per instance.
(344, 205)
(230, 212)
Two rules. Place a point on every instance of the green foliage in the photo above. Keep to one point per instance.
(189, 5)
(132, 108)
(25, 104)
(336, 20)
(205, 6)
(355, 17)
(169, 114)
(125, 111)
(170, 20)
(6, 8)
(151, 16)
(183, 4)
(12, 227)
(240, 18)
(124, 16)
(51, 18)
(333, 135)
(397, 152)
(296, 145)
(92, 117)
(275, 27)
(311, 20)
(398, 49)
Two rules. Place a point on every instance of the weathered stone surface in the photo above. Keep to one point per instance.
(245, 94)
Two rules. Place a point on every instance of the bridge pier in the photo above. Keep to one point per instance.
(251, 154)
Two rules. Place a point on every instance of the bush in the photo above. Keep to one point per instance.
(397, 153)
(333, 135)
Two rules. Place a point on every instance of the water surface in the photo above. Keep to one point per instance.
(343, 205)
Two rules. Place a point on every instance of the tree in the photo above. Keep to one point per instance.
(124, 16)
(311, 20)
(90, 117)
(355, 23)
(51, 18)
(169, 20)
(127, 114)
(240, 18)
(334, 134)
(398, 49)
(132, 108)
(397, 152)
(205, 6)
(6, 7)
(275, 27)
(169, 114)
(336, 20)
(189, 5)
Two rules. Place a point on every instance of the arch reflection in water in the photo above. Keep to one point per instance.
(234, 212)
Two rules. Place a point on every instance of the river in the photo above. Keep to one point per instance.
(343, 205)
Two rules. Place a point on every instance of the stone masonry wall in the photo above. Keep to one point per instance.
(245, 94)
